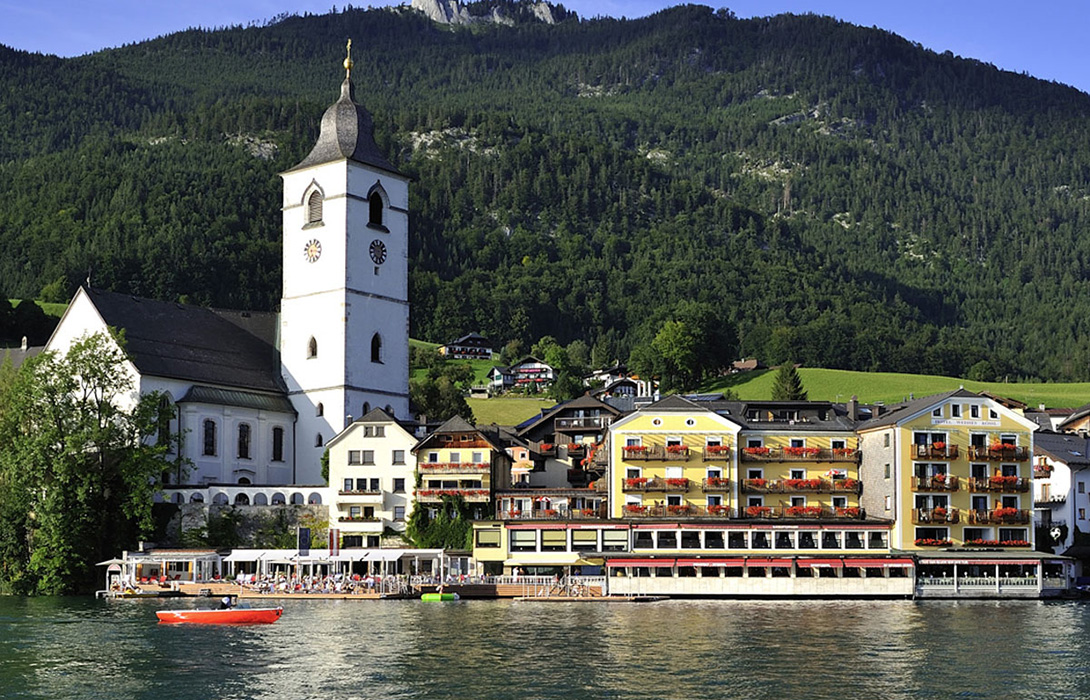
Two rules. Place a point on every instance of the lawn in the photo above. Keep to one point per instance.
(872, 387)
(507, 411)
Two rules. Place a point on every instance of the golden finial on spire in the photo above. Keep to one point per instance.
(348, 61)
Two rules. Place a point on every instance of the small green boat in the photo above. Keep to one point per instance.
(438, 597)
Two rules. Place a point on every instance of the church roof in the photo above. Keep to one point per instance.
(241, 399)
(194, 343)
(348, 132)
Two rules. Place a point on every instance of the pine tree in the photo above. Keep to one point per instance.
(788, 385)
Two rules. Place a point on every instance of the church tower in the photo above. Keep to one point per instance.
(344, 312)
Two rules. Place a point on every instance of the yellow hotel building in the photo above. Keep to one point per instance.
(954, 472)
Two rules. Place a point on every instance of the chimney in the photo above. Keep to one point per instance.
(23, 345)
(853, 408)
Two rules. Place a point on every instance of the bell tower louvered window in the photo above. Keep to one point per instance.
(314, 208)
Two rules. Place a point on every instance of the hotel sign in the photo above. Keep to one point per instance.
(968, 423)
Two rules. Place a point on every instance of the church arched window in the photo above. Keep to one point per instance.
(314, 208)
(376, 348)
(319, 441)
(312, 348)
(243, 440)
(278, 444)
(375, 201)
(320, 410)
(209, 438)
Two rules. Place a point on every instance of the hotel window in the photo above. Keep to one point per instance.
(554, 540)
(715, 473)
(1082, 514)
(937, 413)
(478, 457)
(399, 512)
(798, 442)
(455, 457)
(278, 444)
(798, 474)
(785, 540)
(353, 456)
(210, 438)
(361, 484)
(667, 539)
(715, 500)
(737, 540)
(1007, 534)
(368, 456)
(488, 538)
(808, 540)
(614, 540)
(840, 502)
(355, 511)
(876, 540)
(830, 540)
(374, 485)
(993, 414)
(644, 540)
(974, 411)
(584, 540)
(714, 442)
(433, 457)
(798, 501)
(523, 540)
(690, 539)
(888, 471)
(853, 539)
(755, 442)
(955, 410)
(632, 473)
(399, 485)
(398, 457)
(886, 440)
(976, 533)
(889, 502)
(347, 484)
(1082, 487)
(244, 441)
(713, 539)
(838, 444)
(760, 540)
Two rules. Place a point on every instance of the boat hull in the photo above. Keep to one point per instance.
(231, 616)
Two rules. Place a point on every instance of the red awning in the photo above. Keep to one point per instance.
(710, 562)
(650, 563)
(982, 562)
(769, 562)
(877, 562)
(807, 563)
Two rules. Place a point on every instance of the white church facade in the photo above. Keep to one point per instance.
(259, 394)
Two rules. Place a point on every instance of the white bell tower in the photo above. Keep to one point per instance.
(344, 312)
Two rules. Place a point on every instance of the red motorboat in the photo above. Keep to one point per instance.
(229, 616)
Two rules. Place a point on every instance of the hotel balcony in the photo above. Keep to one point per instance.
(716, 453)
(470, 495)
(1000, 516)
(801, 486)
(364, 497)
(454, 467)
(592, 423)
(642, 484)
(716, 484)
(351, 524)
(553, 514)
(938, 482)
(1042, 471)
(784, 512)
(673, 453)
(999, 484)
(938, 450)
(999, 453)
(799, 454)
(676, 511)
(935, 516)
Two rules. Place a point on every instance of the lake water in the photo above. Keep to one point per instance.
(333, 650)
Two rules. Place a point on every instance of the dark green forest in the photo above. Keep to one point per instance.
(825, 193)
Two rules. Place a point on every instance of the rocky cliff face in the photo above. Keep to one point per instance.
(454, 12)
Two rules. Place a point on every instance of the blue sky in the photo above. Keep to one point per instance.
(1046, 40)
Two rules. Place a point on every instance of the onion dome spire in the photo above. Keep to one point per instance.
(347, 130)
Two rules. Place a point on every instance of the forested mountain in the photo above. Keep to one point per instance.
(820, 191)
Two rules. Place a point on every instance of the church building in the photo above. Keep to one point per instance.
(258, 394)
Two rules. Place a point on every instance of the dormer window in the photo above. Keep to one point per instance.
(314, 208)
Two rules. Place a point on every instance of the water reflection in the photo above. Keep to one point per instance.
(72, 648)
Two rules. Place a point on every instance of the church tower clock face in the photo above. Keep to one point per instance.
(312, 250)
(378, 252)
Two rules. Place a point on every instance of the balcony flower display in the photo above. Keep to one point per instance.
(1003, 480)
(587, 512)
(846, 484)
(757, 483)
(804, 484)
(758, 511)
(1001, 513)
(718, 510)
(1001, 447)
(938, 513)
(938, 445)
(677, 449)
(802, 451)
(677, 482)
(573, 446)
(757, 451)
(939, 479)
(929, 542)
(547, 446)
(717, 481)
(1013, 543)
(848, 512)
(636, 482)
(678, 509)
(803, 511)
(982, 543)
(635, 450)
(549, 512)
(844, 451)
(635, 509)
(717, 449)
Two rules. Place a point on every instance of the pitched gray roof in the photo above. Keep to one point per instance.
(899, 413)
(347, 133)
(1072, 450)
(207, 346)
(242, 399)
